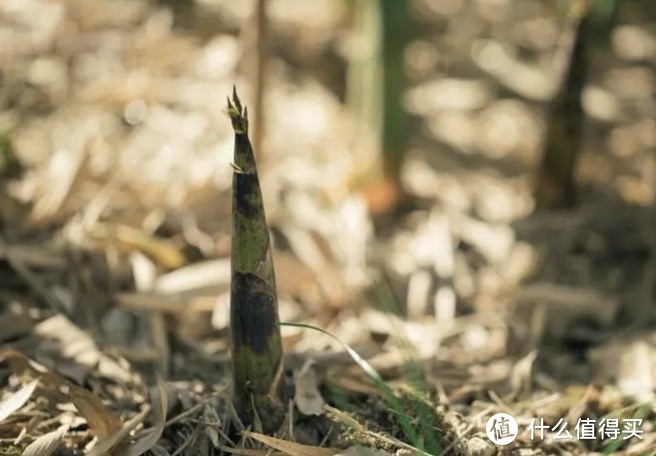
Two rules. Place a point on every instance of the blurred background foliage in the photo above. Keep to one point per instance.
(405, 148)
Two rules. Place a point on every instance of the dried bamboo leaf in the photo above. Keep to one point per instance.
(307, 396)
(128, 238)
(206, 275)
(292, 448)
(19, 363)
(47, 444)
(17, 400)
(187, 302)
(151, 436)
(363, 451)
(102, 422)
(79, 347)
(104, 446)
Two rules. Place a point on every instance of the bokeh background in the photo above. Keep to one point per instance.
(399, 147)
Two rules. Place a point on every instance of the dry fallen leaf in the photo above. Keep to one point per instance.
(205, 275)
(14, 324)
(128, 239)
(78, 346)
(212, 424)
(102, 422)
(307, 396)
(17, 400)
(47, 444)
(151, 436)
(103, 446)
(363, 451)
(19, 363)
(291, 448)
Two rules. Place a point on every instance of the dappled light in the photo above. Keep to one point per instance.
(327, 227)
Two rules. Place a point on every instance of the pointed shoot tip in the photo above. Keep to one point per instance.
(235, 99)
(237, 114)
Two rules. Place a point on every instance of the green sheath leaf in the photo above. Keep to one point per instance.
(255, 330)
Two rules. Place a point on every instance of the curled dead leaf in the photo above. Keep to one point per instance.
(102, 422)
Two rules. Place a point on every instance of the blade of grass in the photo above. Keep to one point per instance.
(642, 411)
(388, 395)
(412, 372)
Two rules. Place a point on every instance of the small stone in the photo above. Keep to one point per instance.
(524, 452)
(479, 447)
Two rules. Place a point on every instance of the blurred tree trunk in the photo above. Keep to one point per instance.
(564, 135)
(592, 21)
(397, 31)
(255, 56)
(364, 73)
(376, 83)
(10, 168)
(259, 70)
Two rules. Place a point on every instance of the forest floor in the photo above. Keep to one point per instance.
(115, 224)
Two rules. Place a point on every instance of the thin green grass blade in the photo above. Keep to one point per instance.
(412, 372)
(392, 401)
